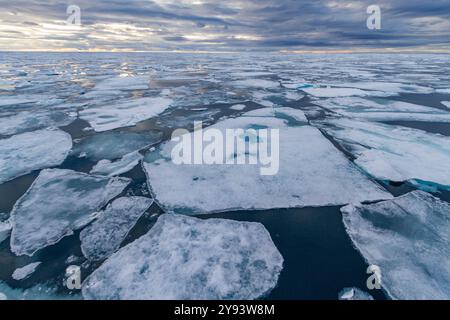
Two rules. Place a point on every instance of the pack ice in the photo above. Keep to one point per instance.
(58, 202)
(104, 236)
(394, 153)
(407, 237)
(124, 114)
(312, 172)
(26, 152)
(114, 145)
(383, 110)
(25, 271)
(125, 164)
(190, 259)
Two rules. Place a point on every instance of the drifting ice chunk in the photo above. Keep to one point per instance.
(114, 145)
(394, 153)
(446, 90)
(104, 236)
(238, 107)
(38, 292)
(354, 294)
(256, 83)
(124, 114)
(114, 86)
(340, 92)
(188, 258)
(391, 88)
(311, 173)
(29, 121)
(407, 237)
(25, 272)
(26, 152)
(110, 169)
(5, 229)
(446, 103)
(58, 202)
(383, 110)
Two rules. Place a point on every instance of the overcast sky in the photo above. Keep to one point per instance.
(227, 25)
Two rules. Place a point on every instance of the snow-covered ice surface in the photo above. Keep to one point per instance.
(394, 153)
(57, 203)
(446, 103)
(25, 271)
(125, 164)
(104, 236)
(383, 110)
(124, 114)
(311, 173)
(354, 294)
(26, 152)
(187, 258)
(407, 237)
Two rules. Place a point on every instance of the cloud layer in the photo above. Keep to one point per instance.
(146, 25)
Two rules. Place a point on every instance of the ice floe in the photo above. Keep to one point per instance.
(383, 110)
(391, 88)
(256, 83)
(188, 258)
(124, 114)
(394, 153)
(116, 85)
(125, 164)
(104, 236)
(446, 103)
(114, 145)
(312, 172)
(340, 92)
(26, 271)
(354, 294)
(238, 107)
(58, 202)
(26, 152)
(407, 238)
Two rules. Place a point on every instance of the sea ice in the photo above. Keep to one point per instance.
(340, 92)
(25, 272)
(238, 107)
(446, 103)
(354, 294)
(256, 83)
(58, 202)
(190, 259)
(391, 88)
(124, 114)
(114, 145)
(33, 120)
(26, 152)
(104, 236)
(394, 153)
(383, 110)
(38, 292)
(125, 164)
(312, 172)
(115, 85)
(408, 239)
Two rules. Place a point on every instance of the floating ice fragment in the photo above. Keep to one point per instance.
(125, 164)
(104, 236)
(5, 230)
(58, 202)
(383, 110)
(394, 153)
(124, 114)
(391, 88)
(256, 83)
(114, 145)
(26, 152)
(238, 107)
(190, 259)
(446, 103)
(340, 92)
(354, 294)
(311, 173)
(407, 237)
(25, 272)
